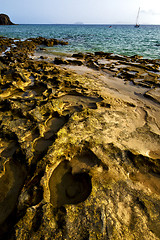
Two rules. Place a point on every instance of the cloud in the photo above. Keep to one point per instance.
(150, 12)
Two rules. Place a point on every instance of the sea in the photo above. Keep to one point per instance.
(118, 39)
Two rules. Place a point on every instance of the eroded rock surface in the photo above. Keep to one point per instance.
(80, 144)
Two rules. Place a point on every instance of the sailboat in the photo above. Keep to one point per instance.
(137, 25)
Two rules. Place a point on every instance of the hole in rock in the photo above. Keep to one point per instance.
(76, 100)
(68, 188)
(11, 183)
(86, 159)
(37, 220)
(38, 88)
(5, 105)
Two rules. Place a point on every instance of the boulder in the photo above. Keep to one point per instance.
(5, 20)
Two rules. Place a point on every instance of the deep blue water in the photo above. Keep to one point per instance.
(119, 39)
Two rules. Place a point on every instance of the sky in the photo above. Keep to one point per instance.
(85, 11)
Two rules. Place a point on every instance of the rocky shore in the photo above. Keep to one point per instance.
(80, 144)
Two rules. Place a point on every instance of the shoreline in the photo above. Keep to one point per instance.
(143, 41)
(80, 140)
(134, 70)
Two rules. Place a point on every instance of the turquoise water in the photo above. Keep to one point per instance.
(119, 39)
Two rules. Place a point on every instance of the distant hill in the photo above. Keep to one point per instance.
(5, 20)
(78, 23)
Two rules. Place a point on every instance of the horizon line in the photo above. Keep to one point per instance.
(81, 24)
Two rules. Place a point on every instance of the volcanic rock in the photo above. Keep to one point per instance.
(79, 146)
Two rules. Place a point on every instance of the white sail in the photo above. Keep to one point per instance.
(137, 19)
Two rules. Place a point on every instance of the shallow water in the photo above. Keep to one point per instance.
(120, 39)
